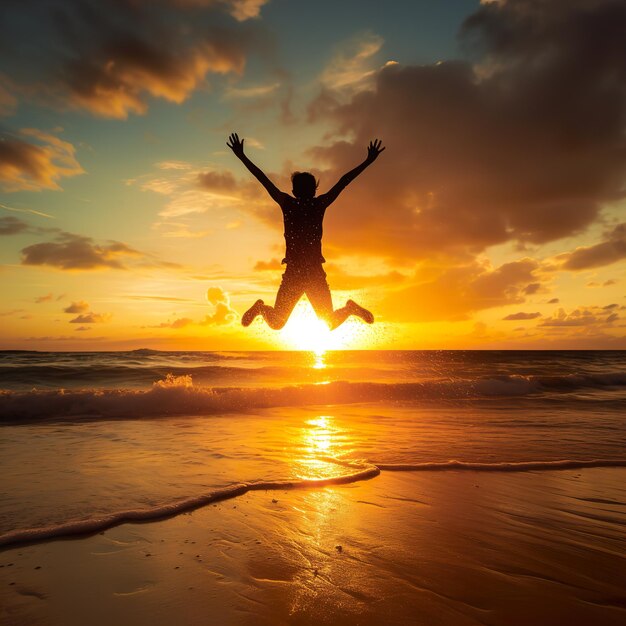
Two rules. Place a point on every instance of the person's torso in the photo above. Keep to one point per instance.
(303, 220)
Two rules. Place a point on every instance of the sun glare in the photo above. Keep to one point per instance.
(304, 331)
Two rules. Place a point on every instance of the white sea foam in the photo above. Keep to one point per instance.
(359, 470)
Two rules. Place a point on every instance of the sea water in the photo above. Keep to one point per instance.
(88, 440)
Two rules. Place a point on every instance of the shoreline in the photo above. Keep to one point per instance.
(364, 471)
(455, 548)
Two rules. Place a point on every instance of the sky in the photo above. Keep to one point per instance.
(495, 218)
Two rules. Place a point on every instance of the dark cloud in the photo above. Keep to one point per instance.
(582, 316)
(525, 143)
(612, 250)
(77, 252)
(553, 301)
(10, 225)
(531, 289)
(91, 318)
(47, 298)
(110, 58)
(217, 181)
(77, 307)
(34, 160)
(516, 317)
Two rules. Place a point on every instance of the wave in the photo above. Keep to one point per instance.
(361, 470)
(177, 395)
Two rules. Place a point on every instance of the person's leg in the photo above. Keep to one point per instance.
(318, 293)
(276, 317)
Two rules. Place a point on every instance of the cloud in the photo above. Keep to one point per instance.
(47, 298)
(612, 250)
(452, 293)
(157, 298)
(217, 181)
(10, 225)
(516, 317)
(526, 144)
(240, 9)
(77, 252)
(181, 322)
(77, 307)
(271, 265)
(532, 289)
(34, 160)
(91, 318)
(223, 313)
(553, 301)
(110, 61)
(581, 317)
(257, 91)
(352, 65)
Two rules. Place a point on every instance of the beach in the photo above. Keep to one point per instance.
(344, 488)
(403, 548)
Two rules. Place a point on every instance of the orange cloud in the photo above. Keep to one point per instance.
(223, 313)
(455, 292)
(181, 322)
(110, 62)
(271, 265)
(34, 160)
(117, 84)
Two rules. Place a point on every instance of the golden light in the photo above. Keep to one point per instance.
(304, 331)
(318, 439)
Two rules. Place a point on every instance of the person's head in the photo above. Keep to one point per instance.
(304, 184)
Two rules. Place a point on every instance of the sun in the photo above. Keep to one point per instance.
(304, 331)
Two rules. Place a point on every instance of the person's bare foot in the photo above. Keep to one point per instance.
(359, 311)
(251, 313)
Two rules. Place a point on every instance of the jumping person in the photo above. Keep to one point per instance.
(303, 214)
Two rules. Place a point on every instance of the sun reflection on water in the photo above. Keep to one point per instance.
(320, 441)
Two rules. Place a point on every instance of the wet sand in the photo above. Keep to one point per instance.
(453, 548)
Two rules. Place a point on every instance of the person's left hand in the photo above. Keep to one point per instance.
(374, 149)
(235, 144)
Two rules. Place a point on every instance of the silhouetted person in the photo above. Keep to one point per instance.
(303, 215)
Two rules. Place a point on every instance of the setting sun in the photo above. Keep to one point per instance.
(304, 331)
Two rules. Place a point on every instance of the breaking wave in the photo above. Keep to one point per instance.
(178, 395)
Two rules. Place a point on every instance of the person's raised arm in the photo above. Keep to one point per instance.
(236, 145)
(373, 150)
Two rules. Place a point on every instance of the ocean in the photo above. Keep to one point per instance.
(92, 439)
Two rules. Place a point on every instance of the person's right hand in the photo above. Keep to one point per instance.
(235, 144)
(374, 149)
